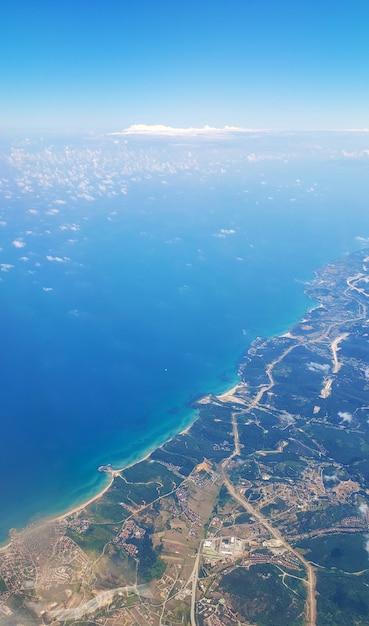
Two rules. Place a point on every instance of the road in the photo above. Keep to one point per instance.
(269, 370)
(194, 577)
(335, 348)
(310, 581)
(311, 577)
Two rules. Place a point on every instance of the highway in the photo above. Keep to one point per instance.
(311, 577)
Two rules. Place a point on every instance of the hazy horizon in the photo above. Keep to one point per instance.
(82, 66)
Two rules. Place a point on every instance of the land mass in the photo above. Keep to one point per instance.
(257, 514)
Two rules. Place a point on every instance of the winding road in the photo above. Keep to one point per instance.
(311, 577)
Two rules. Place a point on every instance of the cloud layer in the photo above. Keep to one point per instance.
(162, 130)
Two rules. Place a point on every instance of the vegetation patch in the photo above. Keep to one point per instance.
(259, 595)
(345, 552)
(342, 599)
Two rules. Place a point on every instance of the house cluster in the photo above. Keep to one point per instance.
(182, 497)
(130, 530)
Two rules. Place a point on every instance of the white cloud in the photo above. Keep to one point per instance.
(18, 243)
(173, 240)
(86, 196)
(345, 416)
(318, 367)
(224, 232)
(363, 508)
(48, 288)
(5, 267)
(73, 227)
(57, 259)
(170, 131)
(355, 155)
(332, 479)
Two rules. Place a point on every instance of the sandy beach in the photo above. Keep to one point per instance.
(227, 396)
(80, 507)
(113, 473)
(231, 394)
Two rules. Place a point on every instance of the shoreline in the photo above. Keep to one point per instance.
(225, 395)
(79, 507)
(229, 395)
(116, 472)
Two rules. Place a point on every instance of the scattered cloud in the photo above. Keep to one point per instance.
(224, 232)
(73, 227)
(86, 196)
(364, 509)
(355, 154)
(173, 240)
(18, 243)
(345, 416)
(367, 543)
(318, 367)
(333, 478)
(52, 212)
(57, 259)
(48, 288)
(5, 267)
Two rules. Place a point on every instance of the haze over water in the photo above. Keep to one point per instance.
(135, 274)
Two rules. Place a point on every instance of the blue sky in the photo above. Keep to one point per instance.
(94, 65)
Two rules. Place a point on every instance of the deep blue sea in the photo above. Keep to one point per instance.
(122, 301)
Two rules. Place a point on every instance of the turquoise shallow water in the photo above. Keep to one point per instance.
(117, 312)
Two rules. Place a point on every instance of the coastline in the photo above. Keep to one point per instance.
(157, 503)
(224, 390)
(79, 507)
(228, 395)
(116, 472)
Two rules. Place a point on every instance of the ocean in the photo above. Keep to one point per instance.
(132, 281)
